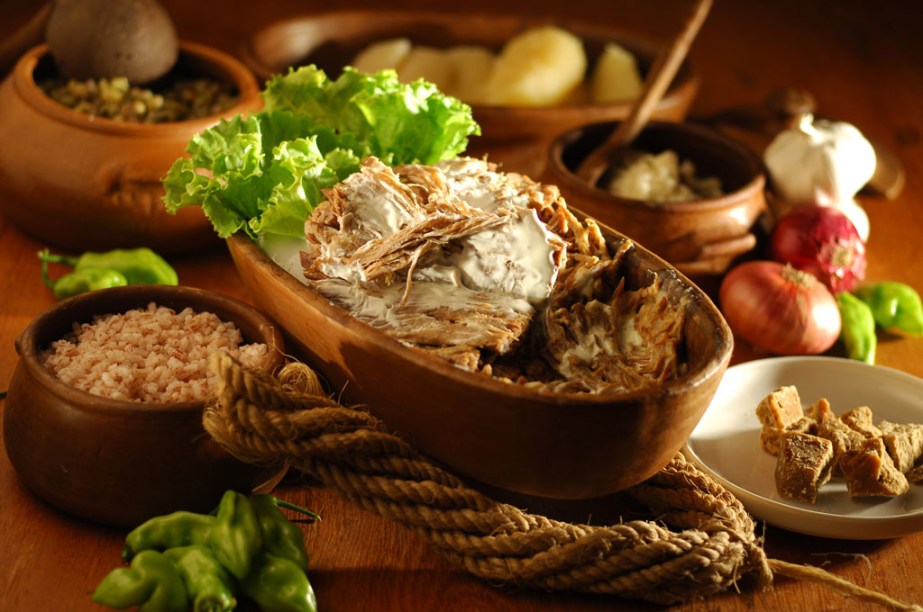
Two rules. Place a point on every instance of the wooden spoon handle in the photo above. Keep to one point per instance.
(655, 85)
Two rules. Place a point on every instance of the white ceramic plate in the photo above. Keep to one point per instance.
(726, 443)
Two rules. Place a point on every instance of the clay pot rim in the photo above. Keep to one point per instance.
(241, 76)
(27, 343)
(748, 160)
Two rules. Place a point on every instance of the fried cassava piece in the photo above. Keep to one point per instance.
(875, 459)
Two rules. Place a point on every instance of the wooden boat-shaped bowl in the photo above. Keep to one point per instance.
(550, 445)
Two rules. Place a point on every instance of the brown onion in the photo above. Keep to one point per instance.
(779, 309)
(823, 241)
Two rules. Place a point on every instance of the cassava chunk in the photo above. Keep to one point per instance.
(539, 67)
(915, 476)
(869, 471)
(804, 464)
(820, 410)
(616, 77)
(776, 412)
(842, 436)
(428, 63)
(772, 438)
(473, 66)
(382, 55)
(904, 442)
(861, 420)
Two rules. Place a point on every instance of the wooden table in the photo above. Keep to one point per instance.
(864, 65)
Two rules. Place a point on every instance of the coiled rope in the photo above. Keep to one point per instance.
(703, 543)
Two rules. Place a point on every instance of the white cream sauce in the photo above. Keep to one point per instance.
(514, 263)
(517, 258)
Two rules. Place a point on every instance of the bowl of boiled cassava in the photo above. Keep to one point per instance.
(525, 77)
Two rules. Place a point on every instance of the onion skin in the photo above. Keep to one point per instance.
(779, 309)
(821, 240)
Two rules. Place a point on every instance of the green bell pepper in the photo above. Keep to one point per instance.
(281, 537)
(208, 583)
(277, 584)
(896, 306)
(858, 330)
(179, 528)
(153, 583)
(236, 535)
(84, 281)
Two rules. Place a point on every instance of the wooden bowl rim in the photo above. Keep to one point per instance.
(241, 76)
(749, 161)
(246, 247)
(197, 299)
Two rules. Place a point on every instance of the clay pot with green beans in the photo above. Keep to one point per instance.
(82, 160)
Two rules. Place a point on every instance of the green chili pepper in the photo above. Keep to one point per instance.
(235, 537)
(180, 528)
(84, 281)
(208, 583)
(895, 306)
(140, 266)
(153, 583)
(76, 282)
(277, 584)
(858, 330)
(281, 537)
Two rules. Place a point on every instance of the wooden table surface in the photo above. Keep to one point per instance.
(863, 62)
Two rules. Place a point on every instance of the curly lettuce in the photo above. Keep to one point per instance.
(264, 173)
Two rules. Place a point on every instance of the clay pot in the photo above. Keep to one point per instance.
(700, 237)
(121, 462)
(506, 436)
(81, 183)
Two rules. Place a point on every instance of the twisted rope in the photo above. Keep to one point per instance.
(711, 546)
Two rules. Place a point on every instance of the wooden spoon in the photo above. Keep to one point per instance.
(595, 164)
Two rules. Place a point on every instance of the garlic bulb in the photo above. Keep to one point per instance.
(822, 162)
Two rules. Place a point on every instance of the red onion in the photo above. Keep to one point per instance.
(823, 241)
(779, 309)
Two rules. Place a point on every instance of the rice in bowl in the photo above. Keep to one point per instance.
(152, 354)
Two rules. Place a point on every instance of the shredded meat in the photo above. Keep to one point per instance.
(602, 338)
(492, 272)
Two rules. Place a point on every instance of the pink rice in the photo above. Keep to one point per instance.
(148, 355)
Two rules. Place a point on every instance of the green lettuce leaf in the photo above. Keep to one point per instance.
(264, 173)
